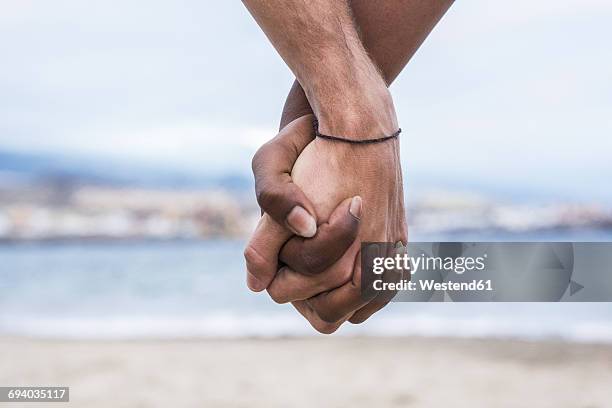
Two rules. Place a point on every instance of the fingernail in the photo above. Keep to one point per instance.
(355, 207)
(253, 283)
(301, 222)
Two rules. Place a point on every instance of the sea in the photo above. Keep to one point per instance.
(196, 289)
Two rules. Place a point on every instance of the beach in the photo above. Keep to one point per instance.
(309, 372)
(158, 325)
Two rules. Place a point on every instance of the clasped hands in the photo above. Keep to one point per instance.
(320, 199)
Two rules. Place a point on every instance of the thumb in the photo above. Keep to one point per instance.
(333, 239)
(277, 195)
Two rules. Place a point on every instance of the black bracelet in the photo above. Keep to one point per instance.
(315, 124)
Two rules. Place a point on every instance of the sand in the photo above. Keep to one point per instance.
(313, 372)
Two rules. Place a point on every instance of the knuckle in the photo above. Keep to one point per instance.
(358, 318)
(325, 327)
(255, 162)
(259, 157)
(327, 315)
(277, 296)
(254, 260)
(267, 197)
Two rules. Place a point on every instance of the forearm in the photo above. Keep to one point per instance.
(319, 42)
(391, 31)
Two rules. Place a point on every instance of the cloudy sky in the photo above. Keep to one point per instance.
(502, 93)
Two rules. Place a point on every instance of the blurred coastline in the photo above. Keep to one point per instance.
(99, 250)
(107, 276)
(75, 210)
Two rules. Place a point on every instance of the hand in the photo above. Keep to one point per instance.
(289, 211)
(391, 32)
(328, 172)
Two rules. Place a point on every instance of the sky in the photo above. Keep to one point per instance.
(516, 95)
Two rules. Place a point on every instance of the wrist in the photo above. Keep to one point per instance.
(347, 93)
(360, 113)
(379, 160)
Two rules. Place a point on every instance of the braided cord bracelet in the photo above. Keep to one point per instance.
(315, 124)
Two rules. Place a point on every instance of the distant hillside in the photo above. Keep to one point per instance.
(52, 168)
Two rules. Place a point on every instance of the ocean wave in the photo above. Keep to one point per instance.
(275, 325)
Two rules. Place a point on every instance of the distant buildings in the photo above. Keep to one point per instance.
(452, 212)
(123, 213)
(90, 212)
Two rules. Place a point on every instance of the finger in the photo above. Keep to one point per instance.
(277, 195)
(261, 253)
(315, 321)
(289, 285)
(385, 297)
(315, 255)
(379, 301)
(333, 305)
(368, 310)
